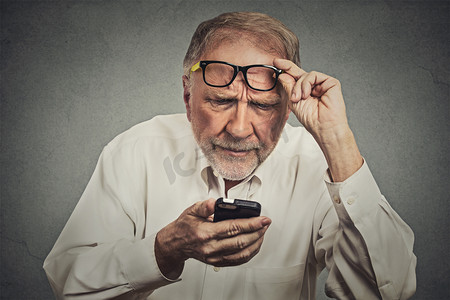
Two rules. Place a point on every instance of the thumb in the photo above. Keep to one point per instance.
(287, 82)
(203, 209)
(290, 76)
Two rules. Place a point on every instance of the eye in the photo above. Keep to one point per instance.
(263, 106)
(221, 102)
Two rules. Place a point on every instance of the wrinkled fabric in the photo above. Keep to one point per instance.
(149, 174)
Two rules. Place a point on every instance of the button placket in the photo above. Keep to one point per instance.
(336, 199)
(213, 287)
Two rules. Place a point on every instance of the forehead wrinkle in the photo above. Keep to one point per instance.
(256, 96)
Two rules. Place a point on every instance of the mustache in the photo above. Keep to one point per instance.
(236, 145)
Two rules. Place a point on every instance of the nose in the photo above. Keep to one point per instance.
(239, 125)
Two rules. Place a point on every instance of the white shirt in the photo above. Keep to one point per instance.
(149, 174)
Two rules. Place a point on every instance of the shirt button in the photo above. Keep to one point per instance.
(216, 269)
(351, 200)
(337, 199)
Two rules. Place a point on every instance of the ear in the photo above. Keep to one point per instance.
(286, 117)
(187, 95)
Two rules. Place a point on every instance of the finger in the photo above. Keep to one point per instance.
(242, 256)
(309, 82)
(326, 86)
(230, 228)
(231, 245)
(203, 209)
(287, 82)
(292, 74)
(288, 67)
(297, 89)
(237, 243)
(246, 253)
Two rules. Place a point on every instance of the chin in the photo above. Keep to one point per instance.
(232, 168)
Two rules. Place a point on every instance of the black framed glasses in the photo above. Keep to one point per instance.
(221, 74)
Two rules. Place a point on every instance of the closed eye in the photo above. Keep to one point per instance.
(263, 106)
(221, 102)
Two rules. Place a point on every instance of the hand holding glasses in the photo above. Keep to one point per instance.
(221, 74)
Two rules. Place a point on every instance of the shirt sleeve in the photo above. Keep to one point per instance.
(365, 245)
(99, 254)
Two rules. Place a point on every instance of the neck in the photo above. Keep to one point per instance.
(229, 184)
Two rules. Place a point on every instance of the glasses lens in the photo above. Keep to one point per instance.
(261, 78)
(218, 74)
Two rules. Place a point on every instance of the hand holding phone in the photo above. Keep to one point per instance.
(221, 244)
(226, 209)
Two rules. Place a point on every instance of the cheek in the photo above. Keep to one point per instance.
(265, 131)
(208, 122)
(269, 131)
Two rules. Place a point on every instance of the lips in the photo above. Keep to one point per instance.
(235, 152)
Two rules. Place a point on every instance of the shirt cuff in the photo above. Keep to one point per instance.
(139, 265)
(356, 197)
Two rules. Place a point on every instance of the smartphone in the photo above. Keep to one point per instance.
(226, 209)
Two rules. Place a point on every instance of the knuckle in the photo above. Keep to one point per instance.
(245, 255)
(197, 203)
(202, 236)
(233, 229)
(312, 75)
(205, 259)
(206, 251)
(210, 261)
(194, 206)
(240, 243)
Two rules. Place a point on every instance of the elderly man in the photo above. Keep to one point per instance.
(143, 228)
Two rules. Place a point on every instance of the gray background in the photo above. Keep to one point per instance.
(76, 74)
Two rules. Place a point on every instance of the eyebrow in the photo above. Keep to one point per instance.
(276, 99)
(272, 99)
(214, 94)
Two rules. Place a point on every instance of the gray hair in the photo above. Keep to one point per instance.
(264, 31)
